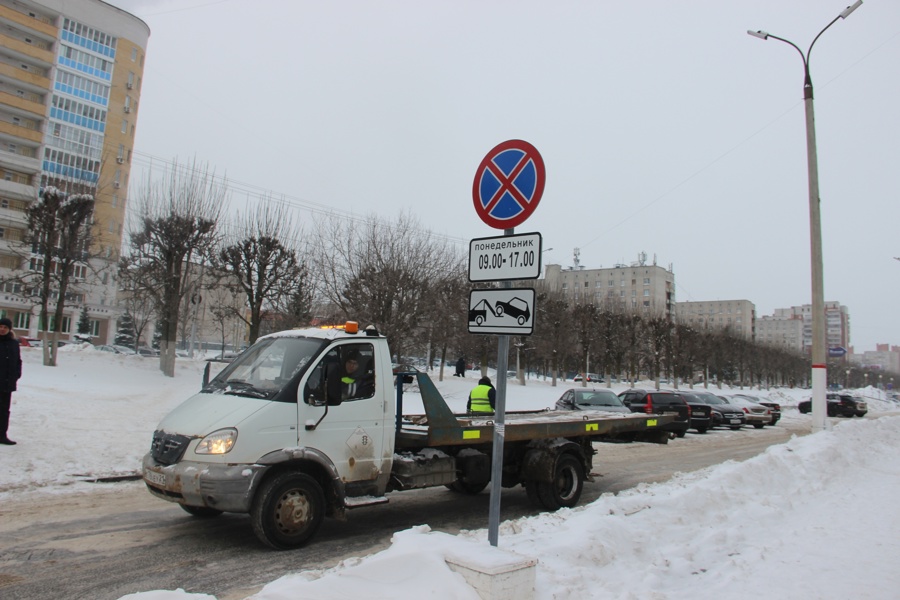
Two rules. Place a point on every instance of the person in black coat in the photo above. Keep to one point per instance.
(460, 367)
(10, 371)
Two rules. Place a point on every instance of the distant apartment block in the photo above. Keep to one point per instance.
(735, 316)
(780, 332)
(646, 288)
(792, 327)
(70, 81)
(884, 358)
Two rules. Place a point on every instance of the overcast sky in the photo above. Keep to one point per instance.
(664, 127)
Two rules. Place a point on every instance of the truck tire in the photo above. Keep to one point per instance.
(203, 512)
(287, 510)
(565, 489)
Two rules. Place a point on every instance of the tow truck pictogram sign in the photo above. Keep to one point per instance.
(506, 311)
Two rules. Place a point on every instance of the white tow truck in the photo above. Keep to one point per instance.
(279, 435)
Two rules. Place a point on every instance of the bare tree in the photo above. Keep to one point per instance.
(264, 267)
(60, 234)
(446, 313)
(586, 320)
(553, 331)
(176, 228)
(137, 302)
(379, 272)
(224, 306)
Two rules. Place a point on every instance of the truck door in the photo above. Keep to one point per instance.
(349, 427)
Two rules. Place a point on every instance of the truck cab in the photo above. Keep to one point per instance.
(287, 404)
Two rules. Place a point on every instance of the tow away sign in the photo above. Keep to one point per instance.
(505, 311)
(505, 257)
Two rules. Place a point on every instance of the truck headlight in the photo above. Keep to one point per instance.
(218, 442)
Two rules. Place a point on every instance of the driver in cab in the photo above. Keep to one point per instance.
(347, 381)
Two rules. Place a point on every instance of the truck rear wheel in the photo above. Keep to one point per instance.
(565, 489)
(287, 510)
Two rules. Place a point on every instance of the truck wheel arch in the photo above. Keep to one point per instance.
(311, 462)
(539, 462)
(554, 475)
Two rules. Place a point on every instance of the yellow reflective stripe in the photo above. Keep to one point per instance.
(651, 422)
(592, 427)
(471, 434)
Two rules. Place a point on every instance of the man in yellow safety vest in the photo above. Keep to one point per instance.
(482, 398)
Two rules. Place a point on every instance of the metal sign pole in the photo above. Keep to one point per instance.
(499, 430)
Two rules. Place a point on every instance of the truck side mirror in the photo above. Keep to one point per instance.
(332, 385)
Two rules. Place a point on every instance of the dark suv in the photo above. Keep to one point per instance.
(838, 405)
(701, 411)
(723, 413)
(660, 402)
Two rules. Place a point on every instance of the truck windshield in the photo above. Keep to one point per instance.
(266, 369)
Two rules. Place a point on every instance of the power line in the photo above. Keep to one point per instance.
(259, 194)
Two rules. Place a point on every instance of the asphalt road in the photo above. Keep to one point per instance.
(117, 539)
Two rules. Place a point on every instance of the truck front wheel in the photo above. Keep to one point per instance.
(565, 489)
(287, 510)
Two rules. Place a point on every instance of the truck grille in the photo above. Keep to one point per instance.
(168, 448)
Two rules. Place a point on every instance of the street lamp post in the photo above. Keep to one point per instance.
(847, 384)
(819, 352)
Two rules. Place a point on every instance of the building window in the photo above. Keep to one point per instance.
(22, 320)
(646, 292)
(646, 281)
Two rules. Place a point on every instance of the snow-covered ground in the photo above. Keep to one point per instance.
(815, 517)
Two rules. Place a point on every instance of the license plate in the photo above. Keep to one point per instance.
(155, 478)
(735, 421)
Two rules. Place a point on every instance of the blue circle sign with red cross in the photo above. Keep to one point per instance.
(508, 184)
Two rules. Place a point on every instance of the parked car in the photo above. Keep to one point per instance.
(756, 414)
(591, 377)
(724, 414)
(838, 405)
(591, 399)
(701, 412)
(660, 402)
(27, 342)
(110, 348)
(773, 407)
(147, 351)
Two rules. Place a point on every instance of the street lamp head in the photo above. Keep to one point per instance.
(846, 12)
(760, 34)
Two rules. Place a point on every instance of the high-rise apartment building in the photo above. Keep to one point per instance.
(646, 288)
(70, 85)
